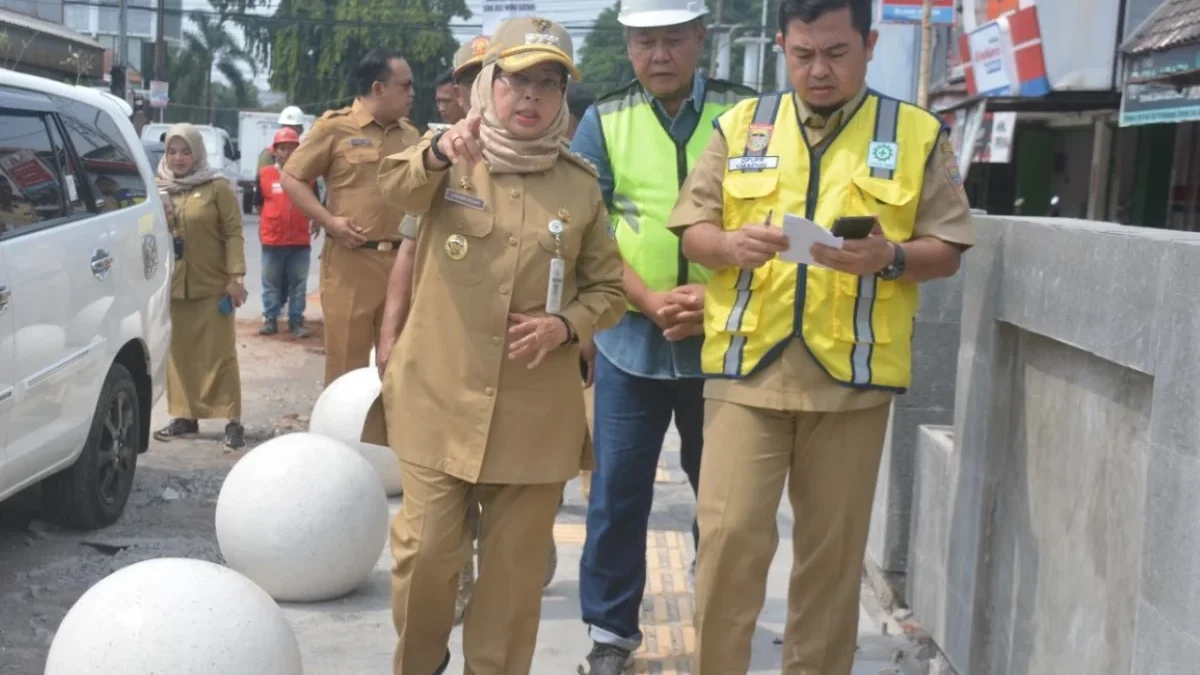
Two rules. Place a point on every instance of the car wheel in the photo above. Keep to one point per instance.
(92, 492)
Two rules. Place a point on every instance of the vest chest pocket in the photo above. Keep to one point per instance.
(889, 200)
(734, 299)
(742, 189)
(862, 309)
(459, 248)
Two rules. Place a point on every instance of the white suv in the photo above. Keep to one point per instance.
(84, 298)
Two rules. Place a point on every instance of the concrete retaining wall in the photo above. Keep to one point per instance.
(1055, 528)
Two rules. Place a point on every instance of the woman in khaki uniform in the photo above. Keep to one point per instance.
(514, 267)
(203, 381)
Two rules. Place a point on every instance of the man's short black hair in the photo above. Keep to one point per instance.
(376, 66)
(809, 11)
(468, 74)
(444, 79)
(579, 98)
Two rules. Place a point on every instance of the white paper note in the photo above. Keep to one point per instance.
(802, 234)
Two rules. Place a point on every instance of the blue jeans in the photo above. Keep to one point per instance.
(632, 415)
(285, 271)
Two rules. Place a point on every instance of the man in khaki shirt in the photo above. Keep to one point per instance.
(789, 417)
(345, 147)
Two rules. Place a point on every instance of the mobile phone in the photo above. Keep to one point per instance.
(853, 227)
(225, 306)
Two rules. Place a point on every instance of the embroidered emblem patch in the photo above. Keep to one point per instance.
(464, 199)
(759, 137)
(541, 25)
(882, 156)
(479, 46)
(953, 173)
(456, 247)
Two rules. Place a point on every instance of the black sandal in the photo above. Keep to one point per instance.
(177, 428)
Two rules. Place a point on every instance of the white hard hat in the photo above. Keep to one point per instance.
(291, 116)
(655, 13)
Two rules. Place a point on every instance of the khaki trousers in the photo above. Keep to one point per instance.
(429, 547)
(353, 290)
(830, 461)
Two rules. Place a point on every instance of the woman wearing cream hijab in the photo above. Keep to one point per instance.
(203, 380)
(514, 266)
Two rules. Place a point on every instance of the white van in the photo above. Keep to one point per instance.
(84, 298)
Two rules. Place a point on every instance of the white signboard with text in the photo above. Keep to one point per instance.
(494, 12)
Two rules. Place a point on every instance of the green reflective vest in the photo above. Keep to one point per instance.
(649, 167)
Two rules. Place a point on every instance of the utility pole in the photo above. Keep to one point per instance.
(926, 54)
(716, 38)
(160, 50)
(762, 44)
(122, 39)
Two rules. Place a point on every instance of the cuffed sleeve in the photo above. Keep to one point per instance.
(600, 301)
(404, 181)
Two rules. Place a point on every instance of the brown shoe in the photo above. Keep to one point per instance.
(466, 588)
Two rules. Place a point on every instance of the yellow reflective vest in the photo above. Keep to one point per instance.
(859, 329)
(649, 166)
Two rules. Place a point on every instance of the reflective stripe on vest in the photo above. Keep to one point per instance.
(648, 169)
(859, 329)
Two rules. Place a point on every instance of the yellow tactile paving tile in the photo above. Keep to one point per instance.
(668, 608)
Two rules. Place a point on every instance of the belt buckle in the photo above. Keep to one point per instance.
(386, 246)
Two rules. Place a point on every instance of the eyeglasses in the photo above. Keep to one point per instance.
(526, 85)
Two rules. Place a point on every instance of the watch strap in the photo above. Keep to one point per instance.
(437, 151)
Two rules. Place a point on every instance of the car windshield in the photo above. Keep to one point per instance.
(155, 155)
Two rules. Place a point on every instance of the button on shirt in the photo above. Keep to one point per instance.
(636, 345)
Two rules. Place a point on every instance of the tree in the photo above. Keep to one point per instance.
(604, 63)
(191, 86)
(312, 46)
(212, 45)
(604, 60)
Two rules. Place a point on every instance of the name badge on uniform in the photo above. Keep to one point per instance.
(276, 188)
(554, 287)
(464, 199)
(750, 163)
(360, 142)
(882, 156)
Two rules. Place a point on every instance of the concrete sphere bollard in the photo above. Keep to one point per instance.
(178, 616)
(341, 410)
(341, 413)
(386, 464)
(303, 516)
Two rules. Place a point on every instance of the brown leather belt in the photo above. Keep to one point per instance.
(384, 246)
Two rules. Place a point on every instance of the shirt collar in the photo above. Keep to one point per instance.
(361, 117)
(809, 117)
(695, 99)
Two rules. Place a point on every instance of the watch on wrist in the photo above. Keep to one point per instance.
(895, 269)
(437, 152)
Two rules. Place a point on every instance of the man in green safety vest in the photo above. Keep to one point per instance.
(643, 140)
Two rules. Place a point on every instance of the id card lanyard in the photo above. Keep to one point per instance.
(554, 287)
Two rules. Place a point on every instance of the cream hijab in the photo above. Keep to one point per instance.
(201, 173)
(504, 152)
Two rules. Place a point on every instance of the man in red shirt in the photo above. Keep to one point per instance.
(286, 234)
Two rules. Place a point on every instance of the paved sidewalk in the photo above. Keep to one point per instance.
(354, 635)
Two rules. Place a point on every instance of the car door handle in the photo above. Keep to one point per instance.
(101, 263)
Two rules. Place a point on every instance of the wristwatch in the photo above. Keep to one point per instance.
(437, 152)
(895, 269)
